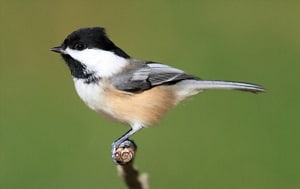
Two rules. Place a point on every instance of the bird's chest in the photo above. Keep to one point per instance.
(93, 95)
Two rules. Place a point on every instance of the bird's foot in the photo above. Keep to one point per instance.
(123, 152)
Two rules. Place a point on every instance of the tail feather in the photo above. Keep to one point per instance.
(229, 85)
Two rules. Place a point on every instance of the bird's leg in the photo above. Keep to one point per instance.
(123, 141)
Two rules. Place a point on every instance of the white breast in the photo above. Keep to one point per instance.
(93, 95)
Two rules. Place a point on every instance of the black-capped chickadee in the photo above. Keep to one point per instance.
(131, 91)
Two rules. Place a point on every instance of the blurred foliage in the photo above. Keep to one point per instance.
(218, 139)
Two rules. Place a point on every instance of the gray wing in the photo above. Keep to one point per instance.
(150, 74)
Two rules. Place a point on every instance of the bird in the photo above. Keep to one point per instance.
(130, 91)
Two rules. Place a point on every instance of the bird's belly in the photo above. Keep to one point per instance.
(147, 107)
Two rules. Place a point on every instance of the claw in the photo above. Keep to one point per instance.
(123, 146)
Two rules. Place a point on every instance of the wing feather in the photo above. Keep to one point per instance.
(148, 75)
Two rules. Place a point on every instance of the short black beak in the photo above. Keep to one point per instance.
(58, 49)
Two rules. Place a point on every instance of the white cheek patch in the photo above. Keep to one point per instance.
(102, 63)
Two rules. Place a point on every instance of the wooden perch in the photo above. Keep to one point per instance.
(124, 157)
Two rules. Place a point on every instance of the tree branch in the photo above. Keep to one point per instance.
(124, 157)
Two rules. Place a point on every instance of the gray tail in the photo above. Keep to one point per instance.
(229, 85)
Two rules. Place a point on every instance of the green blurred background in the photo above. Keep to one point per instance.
(218, 139)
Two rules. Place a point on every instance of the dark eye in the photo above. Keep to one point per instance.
(79, 46)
